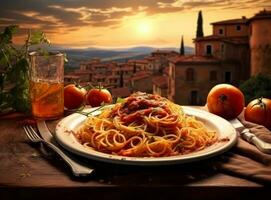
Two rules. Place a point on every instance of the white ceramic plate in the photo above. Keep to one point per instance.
(71, 123)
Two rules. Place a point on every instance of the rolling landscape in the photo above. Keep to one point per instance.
(75, 56)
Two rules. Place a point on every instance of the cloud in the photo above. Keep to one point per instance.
(50, 15)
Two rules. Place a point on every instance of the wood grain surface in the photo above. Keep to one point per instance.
(31, 171)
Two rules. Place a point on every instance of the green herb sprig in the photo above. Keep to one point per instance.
(14, 69)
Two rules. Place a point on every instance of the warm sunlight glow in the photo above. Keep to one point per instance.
(144, 27)
(132, 29)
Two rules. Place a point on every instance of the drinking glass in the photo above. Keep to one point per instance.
(47, 85)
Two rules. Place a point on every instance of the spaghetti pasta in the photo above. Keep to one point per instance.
(145, 125)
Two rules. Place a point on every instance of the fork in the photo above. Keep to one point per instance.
(77, 168)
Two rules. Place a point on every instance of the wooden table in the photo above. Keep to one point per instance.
(27, 173)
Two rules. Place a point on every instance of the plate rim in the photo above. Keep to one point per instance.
(109, 158)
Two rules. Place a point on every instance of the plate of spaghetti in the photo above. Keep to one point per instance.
(146, 129)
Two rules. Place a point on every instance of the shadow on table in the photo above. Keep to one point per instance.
(178, 174)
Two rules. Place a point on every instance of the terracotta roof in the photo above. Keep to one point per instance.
(127, 68)
(234, 40)
(79, 71)
(137, 77)
(263, 14)
(99, 65)
(194, 59)
(242, 20)
(116, 69)
(141, 73)
(113, 77)
(209, 37)
(98, 76)
(161, 81)
(143, 61)
(120, 92)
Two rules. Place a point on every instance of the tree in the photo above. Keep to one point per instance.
(256, 87)
(199, 25)
(182, 47)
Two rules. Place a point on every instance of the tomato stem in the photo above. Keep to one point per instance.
(88, 86)
(223, 97)
(260, 103)
(262, 106)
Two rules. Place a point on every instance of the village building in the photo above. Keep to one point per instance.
(226, 56)
(229, 43)
(260, 42)
(135, 74)
(71, 78)
(237, 49)
(120, 92)
(191, 77)
(141, 81)
(160, 85)
(78, 75)
(139, 65)
(159, 60)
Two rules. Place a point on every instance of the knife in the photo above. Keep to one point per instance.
(250, 137)
(78, 168)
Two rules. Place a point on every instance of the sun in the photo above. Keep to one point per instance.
(144, 27)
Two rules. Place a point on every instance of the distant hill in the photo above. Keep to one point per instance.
(75, 56)
(147, 49)
(142, 49)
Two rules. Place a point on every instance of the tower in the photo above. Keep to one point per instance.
(260, 43)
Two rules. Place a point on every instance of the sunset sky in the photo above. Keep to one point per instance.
(122, 23)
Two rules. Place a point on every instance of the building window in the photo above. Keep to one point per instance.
(209, 49)
(213, 75)
(194, 97)
(228, 77)
(238, 28)
(221, 31)
(190, 74)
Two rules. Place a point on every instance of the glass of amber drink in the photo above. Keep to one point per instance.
(47, 85)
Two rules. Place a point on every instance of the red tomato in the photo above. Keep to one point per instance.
(259, 111)
(226, 101)
(95, 97)
(73, 96)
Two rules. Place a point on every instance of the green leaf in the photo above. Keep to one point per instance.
(14, 69)
(6, 36)
(15, 72)
(38, 37)
(5, 100)
(120, 100)
(20, 93)
(2, 80)
(256, 87)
